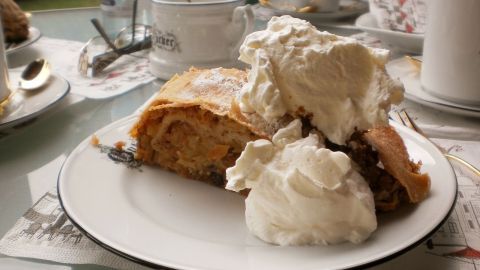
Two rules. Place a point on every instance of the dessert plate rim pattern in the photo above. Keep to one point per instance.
(407, 42)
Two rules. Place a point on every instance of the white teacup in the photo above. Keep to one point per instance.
(200, 33)
(451, 52)
(4, 81)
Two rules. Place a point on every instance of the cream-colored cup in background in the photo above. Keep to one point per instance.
(199, 33)
(4, 81)
(451, 51)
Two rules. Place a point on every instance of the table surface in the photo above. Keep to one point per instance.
(30, 159)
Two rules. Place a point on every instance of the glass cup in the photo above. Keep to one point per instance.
(97, 54)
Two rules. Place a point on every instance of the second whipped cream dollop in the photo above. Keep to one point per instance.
(296, 69)
(302, 193)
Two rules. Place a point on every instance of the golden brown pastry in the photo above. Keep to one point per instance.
(383, 161)
(14, 21)
(394, 157)
(192, 128)
(195, 129)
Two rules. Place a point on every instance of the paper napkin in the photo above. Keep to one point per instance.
(44, 232)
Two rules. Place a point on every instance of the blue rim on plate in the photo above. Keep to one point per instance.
(157, 266)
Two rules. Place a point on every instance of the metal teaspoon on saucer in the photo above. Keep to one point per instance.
(35, 75)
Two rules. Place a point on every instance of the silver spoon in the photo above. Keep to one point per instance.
(35, 75)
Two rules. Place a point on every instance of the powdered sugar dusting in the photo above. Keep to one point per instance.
(214, 85)
(215, 78)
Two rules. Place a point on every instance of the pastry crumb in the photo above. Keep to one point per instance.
(119, 145)
(94, 140)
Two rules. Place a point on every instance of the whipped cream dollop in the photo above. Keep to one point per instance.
(302, 193)
(335, 81)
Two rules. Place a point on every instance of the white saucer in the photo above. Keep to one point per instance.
(25, 105)
(402, 69)
(407, 42)
(34, 35)
(348, 8)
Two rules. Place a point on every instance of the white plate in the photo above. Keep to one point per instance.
(412, 43)
(34, 35)
(160, 219)
(25, 105)
(410, 77)
(348, 8)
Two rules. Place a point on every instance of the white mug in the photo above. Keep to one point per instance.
(451, 51)
(199, 33)
(4, 81)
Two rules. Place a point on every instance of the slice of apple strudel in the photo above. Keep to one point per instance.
(193, 129)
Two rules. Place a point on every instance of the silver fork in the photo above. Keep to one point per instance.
(402, 117)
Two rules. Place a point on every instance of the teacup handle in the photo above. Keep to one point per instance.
(243, 13)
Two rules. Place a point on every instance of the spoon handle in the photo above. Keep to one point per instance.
(102, 32)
